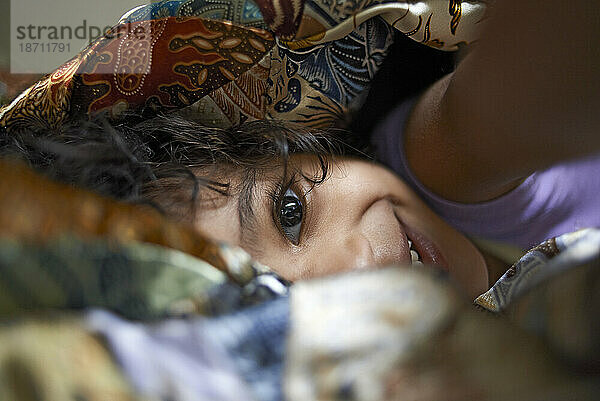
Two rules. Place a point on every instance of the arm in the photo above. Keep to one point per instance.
(525, 98)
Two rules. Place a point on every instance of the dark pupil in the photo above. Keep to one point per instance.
(291, 212)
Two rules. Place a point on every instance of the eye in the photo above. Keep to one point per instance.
(291, 211)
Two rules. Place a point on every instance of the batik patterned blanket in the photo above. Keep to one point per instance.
(223, 62)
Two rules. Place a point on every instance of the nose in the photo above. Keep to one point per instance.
(358, 252)
(374, 239)
(350, 252)
(384, 233)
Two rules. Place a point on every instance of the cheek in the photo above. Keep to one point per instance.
(465, 262)
(290, 266)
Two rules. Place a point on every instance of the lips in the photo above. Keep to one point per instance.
(426, 250)
(429, 252)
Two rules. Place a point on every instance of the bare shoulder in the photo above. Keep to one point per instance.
(524, 99)
(443, 159)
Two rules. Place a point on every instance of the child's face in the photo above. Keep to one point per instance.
(362, 215)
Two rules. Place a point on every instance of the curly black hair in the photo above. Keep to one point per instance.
(168, 160)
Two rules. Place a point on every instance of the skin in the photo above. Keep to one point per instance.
(352, 221)
(500, 117)
(523, 99)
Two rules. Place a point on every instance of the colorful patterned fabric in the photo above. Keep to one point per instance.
(65, 248)
(239, 356)
(552, 292)
(53, 264)
(404, 334)
(217, 61)
(57, 359)
(564, 312)
(239, 12)
(441, 24)
(138, 281)
(36, 210)
(399, 333)
(540, 264)
(94, 359)
(170, 65)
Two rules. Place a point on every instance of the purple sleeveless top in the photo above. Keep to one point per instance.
(549, 203)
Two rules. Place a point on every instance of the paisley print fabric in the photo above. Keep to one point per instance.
(282, 16)
(539, 264)
(45, 104)
(223, 62)
(320, 86)
(551, 291)
(239, 12)
(203, 56)
(442, 24)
